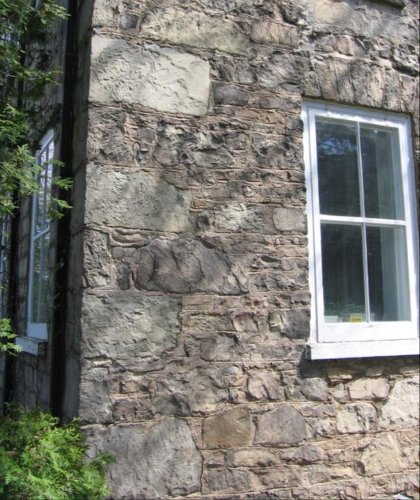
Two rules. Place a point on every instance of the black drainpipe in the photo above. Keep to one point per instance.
(59, 319)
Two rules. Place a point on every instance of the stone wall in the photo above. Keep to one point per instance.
(195, 301)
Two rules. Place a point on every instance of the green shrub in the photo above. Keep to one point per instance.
(40, 460)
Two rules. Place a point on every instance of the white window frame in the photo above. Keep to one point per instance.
(364, 339)
(38, 330)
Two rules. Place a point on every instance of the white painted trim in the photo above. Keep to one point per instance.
(375, 349)
(29, 345)
(329, 340)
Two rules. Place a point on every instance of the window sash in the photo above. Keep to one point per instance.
(322, 331)
(39, 244)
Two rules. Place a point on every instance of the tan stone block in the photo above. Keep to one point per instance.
(251, 458)
(355, 418)
(383, 456)
(195, 29)
(272, 33)
(402, 408)
(228, 430)
(368, 389)
(159, 78)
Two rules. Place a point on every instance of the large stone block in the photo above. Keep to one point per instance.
(402, 408)
(382, 456)
(129, 324)
(164, 79)
(135, 199)
(230, 430)
(151, 463)
(355, 418)
(195, 29)
(281, 426)
(185, 265)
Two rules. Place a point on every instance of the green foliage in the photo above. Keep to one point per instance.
(41, 461)
(7, 337)
(25, 71)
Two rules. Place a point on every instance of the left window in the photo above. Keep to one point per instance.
(40, 242)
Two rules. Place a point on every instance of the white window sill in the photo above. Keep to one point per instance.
(32, 345)
(368, 349)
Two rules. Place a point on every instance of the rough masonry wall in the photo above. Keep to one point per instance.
(196, 303)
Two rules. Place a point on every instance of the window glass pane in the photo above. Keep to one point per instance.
(388, 277)
(342, 273)
(40, 280)
(381, 173)
(337, 168)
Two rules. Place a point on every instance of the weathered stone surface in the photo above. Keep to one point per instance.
(287, 219)
(264, 386)
(97, 260)
(229, 430)
(195, 29)
(281, 426)
(305, 454)
(129, 325)
(314, 389)
(251, 458)
(135, 199)
(95, 401)
(159, 78)
(371, 389)
(152, 463)
(354, 418)
(292, 324)
(383, 456)
(230, 480)
(187, 265)
(402, 408)
(272, 33)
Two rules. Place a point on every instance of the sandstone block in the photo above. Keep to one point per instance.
(195, 29)
(272, 33)
(383, 456)
(264, 385)
(229, 430)
(305, 454)
(251, 458)
(152, 463)
(289, 219)
(164, 79)
(402, 408)
(356, 418)
(128, 325)
(135, 199)
(375, 388)
(95, 401)
(281, 426)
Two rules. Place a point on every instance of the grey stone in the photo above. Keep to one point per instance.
(272, 33)
(185, 265)
(293, 324)
(154, 462)
(95, 401)
(281, 426)
(287, 219)
(304, 454)
(159, 78)
(135, 200)
(129, 324)
(232, 480)
(314, 389)
(264, 386)
(253, 457)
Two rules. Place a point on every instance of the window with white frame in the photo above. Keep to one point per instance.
(363, 238)
(39, 243)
